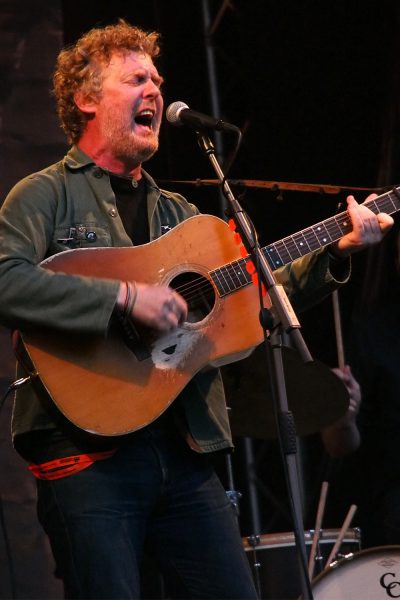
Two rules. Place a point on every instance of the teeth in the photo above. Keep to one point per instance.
(146, 113)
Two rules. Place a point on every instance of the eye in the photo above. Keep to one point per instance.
(138, 79)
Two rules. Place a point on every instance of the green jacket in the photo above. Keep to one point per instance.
(71, 205)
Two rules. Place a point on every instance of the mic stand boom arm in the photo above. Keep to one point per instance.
(287, 323)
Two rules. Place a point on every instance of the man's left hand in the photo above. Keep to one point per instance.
(368, 228)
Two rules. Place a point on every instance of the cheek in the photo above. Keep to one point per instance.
(160, 108)
(159, 101)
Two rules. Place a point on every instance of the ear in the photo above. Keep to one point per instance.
(85, 102)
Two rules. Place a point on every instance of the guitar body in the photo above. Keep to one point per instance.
(102, 385)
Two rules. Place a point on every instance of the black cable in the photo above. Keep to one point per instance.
(3, 527)
(15, 385)
(231, 159)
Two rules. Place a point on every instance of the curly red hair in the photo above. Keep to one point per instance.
(80, 67)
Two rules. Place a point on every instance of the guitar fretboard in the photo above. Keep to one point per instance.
(236, 275)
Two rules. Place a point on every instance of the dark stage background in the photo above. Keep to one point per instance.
(313, 86)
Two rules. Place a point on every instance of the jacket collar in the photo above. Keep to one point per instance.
(76, 159)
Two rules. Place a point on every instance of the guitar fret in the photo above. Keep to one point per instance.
(230, 277)
(322, 234)
(345, 222)
(396, 200)
(220, 281)
(301, 243)
(312, 239)
(388, 204)
(284, 252)
(234, 276)
(291, 247)
(273, 257)
(337, 226)
(223, 273)
(242, 274)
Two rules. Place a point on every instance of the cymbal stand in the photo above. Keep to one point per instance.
(287, 323)
(251, 485)
(253, 539)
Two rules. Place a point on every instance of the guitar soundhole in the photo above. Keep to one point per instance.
(198, 293)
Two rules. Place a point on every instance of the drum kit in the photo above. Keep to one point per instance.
(317, 398)
(354, 574)
(273, 560)
(338, 567)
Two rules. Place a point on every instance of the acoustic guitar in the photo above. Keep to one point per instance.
(120, 383)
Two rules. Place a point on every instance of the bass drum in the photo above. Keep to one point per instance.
(368, 575)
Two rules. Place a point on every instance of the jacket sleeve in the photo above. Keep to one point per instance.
(310, 279)
(32, 296)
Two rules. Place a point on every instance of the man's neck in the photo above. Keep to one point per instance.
(107, 161)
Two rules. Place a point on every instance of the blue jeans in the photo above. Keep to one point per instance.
(154, 490)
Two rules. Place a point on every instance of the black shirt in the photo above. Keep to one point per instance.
(131, 201)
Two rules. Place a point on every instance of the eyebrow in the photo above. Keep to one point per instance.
(154, 76)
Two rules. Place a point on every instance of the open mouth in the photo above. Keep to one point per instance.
(145, 118)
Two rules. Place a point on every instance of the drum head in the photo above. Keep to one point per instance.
(368, 575)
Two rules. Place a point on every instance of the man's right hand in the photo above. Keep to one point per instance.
(157, 306)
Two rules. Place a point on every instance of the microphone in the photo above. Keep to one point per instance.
(178, 113)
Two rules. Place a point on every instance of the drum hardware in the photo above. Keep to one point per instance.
(271, 575)
(340, 557)
(345, 526)
(254, 541)
(234, 497)
(313, 558)
(286, 539)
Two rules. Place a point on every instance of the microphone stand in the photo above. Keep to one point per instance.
(288, 323)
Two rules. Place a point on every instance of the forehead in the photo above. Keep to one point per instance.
(121, 64)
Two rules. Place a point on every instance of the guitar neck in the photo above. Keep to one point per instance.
(234, 276)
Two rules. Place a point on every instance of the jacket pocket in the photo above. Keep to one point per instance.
(80, 235)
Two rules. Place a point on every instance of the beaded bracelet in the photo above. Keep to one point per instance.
(127, 295)
(130, 299)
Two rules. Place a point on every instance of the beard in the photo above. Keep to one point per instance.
(124, 143)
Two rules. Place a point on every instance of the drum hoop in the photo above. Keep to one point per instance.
(287, 539)
(355, 557)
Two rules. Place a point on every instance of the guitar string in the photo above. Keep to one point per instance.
(196, 289)
(193, 289)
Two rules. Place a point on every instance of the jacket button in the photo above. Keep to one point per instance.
(91, 236)
(98, 173)
(112, 212)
